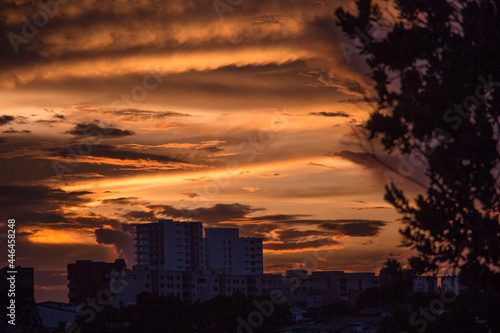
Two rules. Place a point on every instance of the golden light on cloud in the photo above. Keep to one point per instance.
(251, 189)
(51, 236)
(312, 248)
(242, 119)
(163, 64)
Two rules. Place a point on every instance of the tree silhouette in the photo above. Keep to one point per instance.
(434, 64)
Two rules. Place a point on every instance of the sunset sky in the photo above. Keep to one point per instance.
(120, 112)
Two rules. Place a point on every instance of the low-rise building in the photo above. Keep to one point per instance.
(87, 278)
(450, 284)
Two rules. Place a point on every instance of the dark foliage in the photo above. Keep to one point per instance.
(435, 67)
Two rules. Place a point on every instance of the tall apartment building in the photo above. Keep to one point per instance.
(226, 250)
(172, 245)
(180, 246)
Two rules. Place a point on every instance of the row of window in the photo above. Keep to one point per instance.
(170, 285)
(186, 247)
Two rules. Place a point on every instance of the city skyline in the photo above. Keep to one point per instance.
(248, 118)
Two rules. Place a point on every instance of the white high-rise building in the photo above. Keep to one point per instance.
(226, 250)
(172, 245)
(180, 246)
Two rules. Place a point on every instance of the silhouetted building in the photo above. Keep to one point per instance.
(384, 279)
(425, 284)
(226, 250)
(413, 282)
(325, 287)
(88, 278)
(173, 245)
(450, 284)
(56, 314)
(298, 287)
(180, 246)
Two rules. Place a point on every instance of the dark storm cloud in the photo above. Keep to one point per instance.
(56, 118)
(5, 119)
(12, 131)
(120, 201)
(59, 220)
(323, 165)
(88, 129)
(354, 228)
(279, 217)
(12, 196)
(34, 218)
(299, 245)
(138, 115)
(295, 234)
(214, 214)
(39, 205)
(224, 212)
(209, 149)
(191, 194)
(330, 114)
(374, 207)
(129, 228)
(260, 230)
(141, 216)
(23, 233)
(120, 154)
(94, 221)
(281, 223)
(345, 227)
(359, 100)
(122, 241)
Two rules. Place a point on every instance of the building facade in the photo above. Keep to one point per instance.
(87, 278)
(226, 250)
(180, 246)
(450, 284)
(173, 245)
(298, 287)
